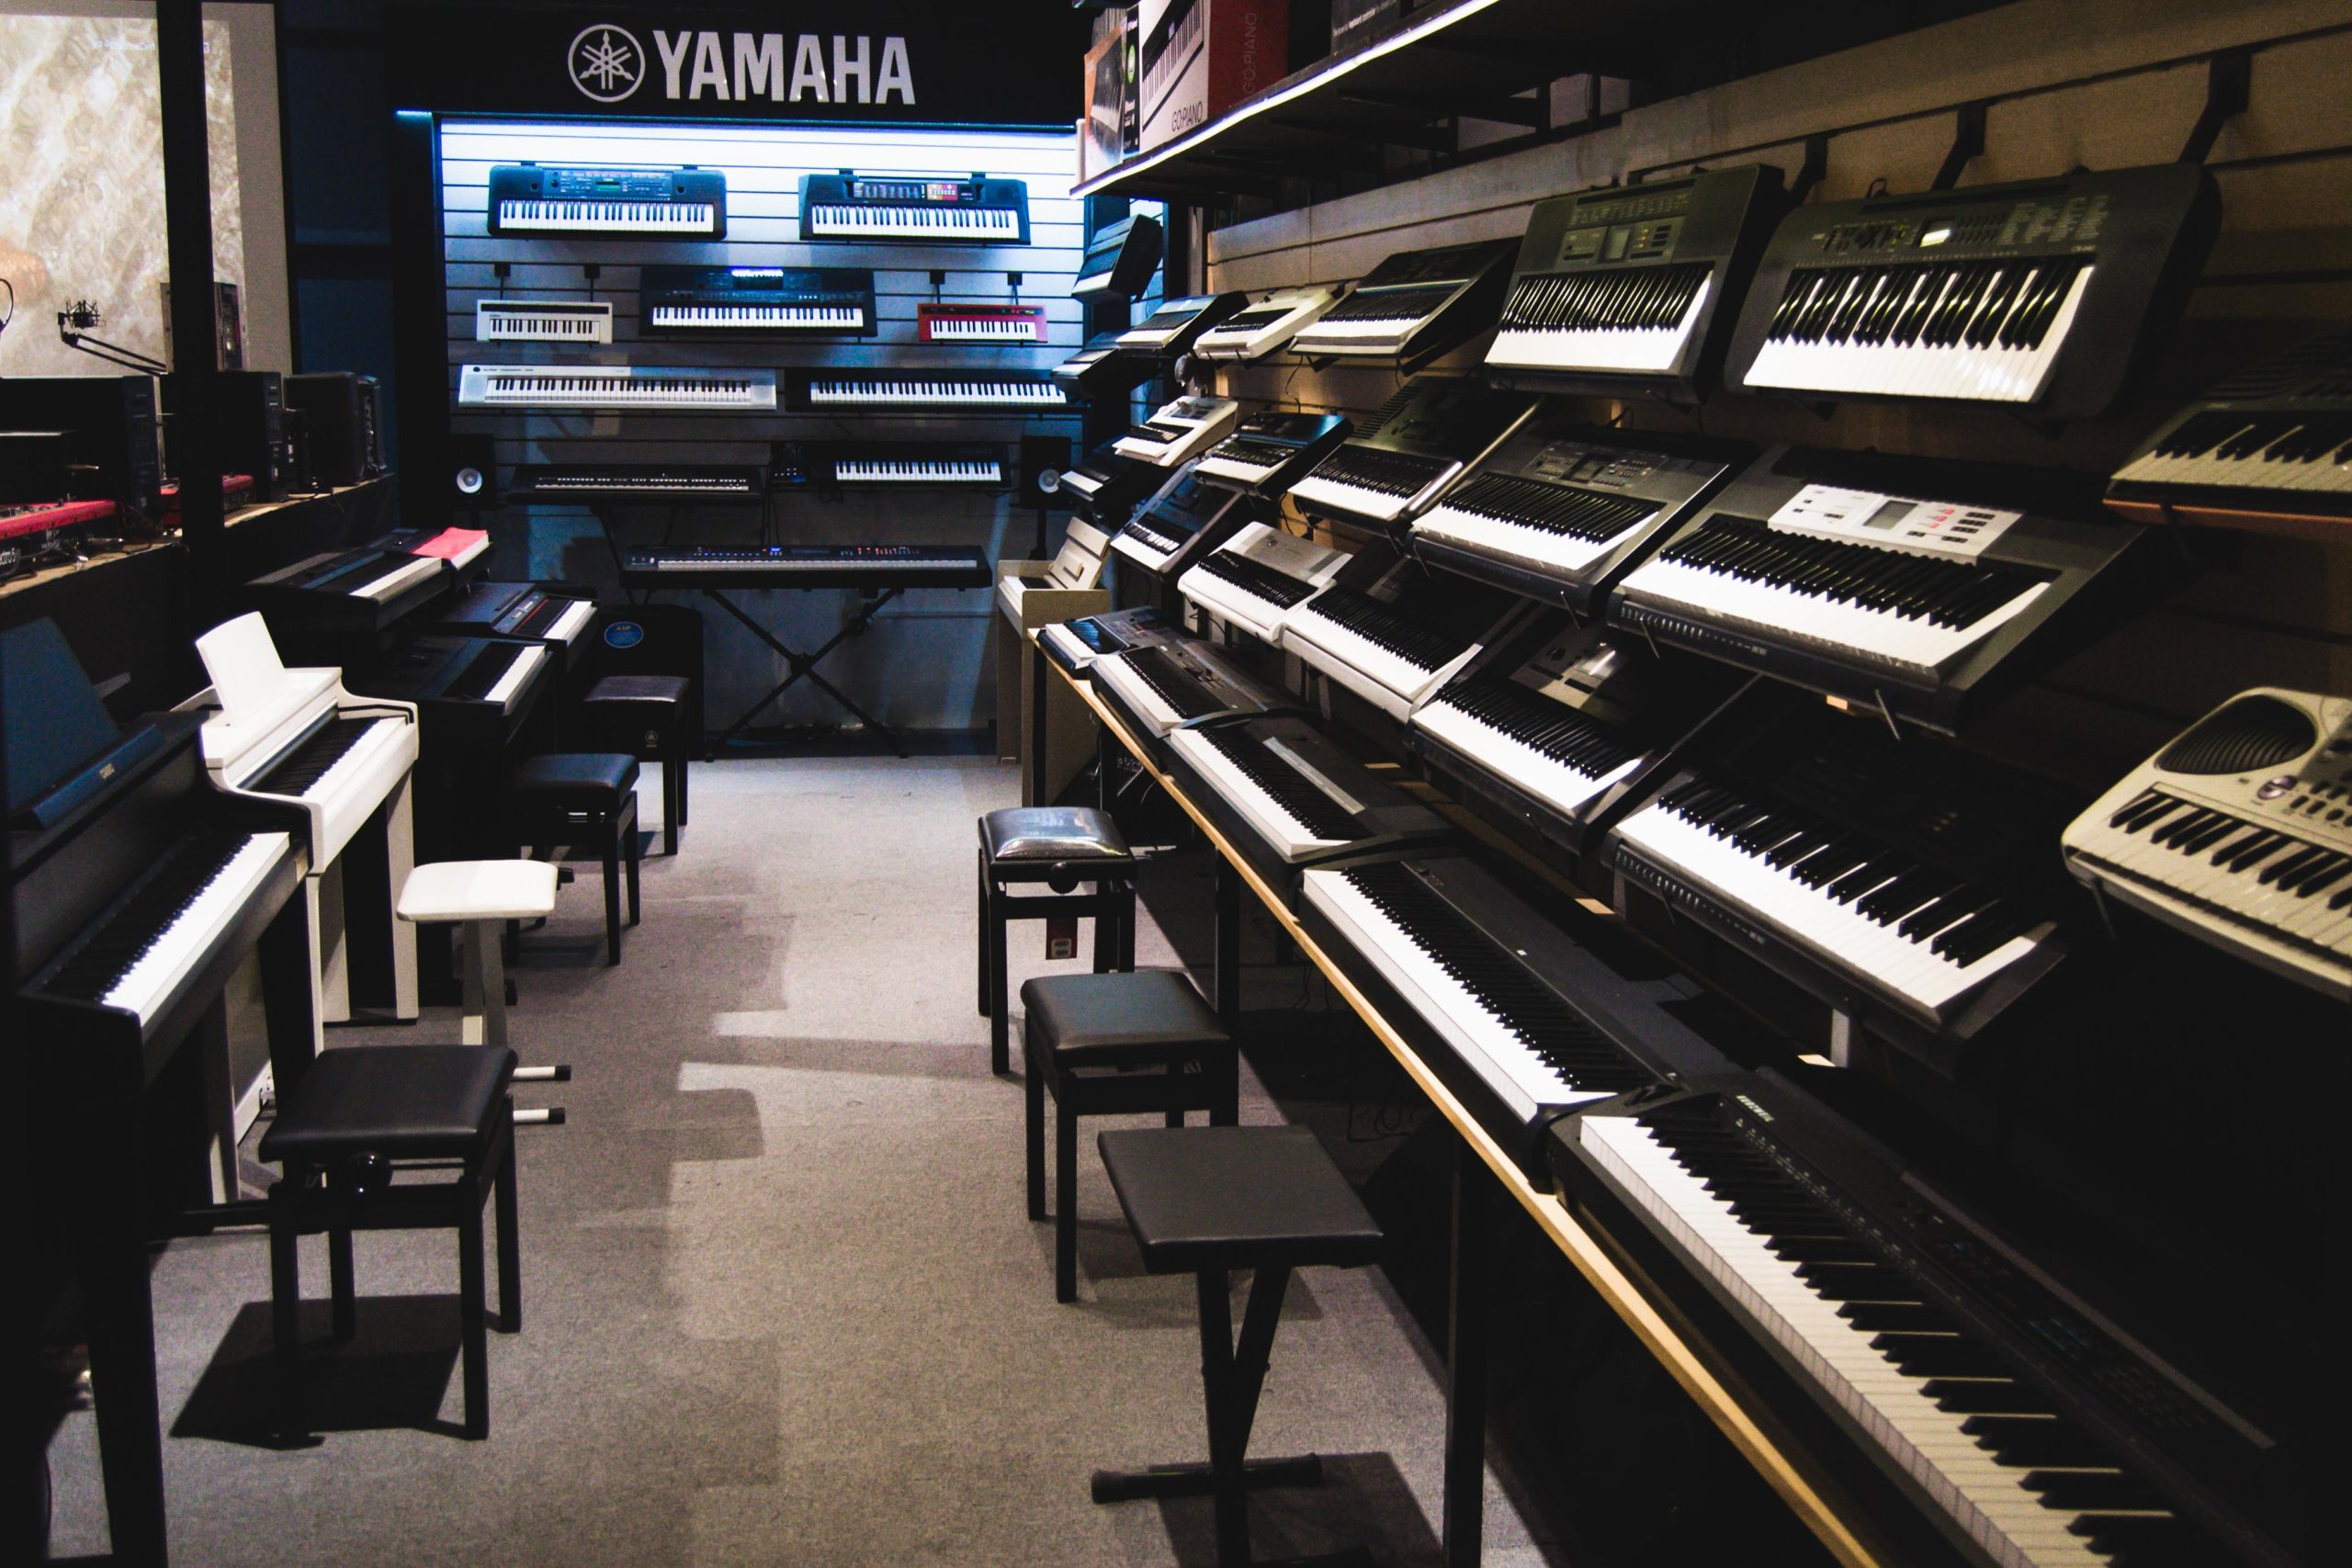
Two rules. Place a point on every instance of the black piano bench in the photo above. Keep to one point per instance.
(1111, 1045)
(362, 1122)
(1206, 1201)
(1061, 847)
(655, 718)
(582, 800)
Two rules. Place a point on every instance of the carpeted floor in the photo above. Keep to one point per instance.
(782, 1304)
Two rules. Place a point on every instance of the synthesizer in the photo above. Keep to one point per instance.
(1269, 322)
(1101, 371)
(1156, 690)
(980, 324)
(755, 301)
(1174, 325)
(699, 482)
(900, 464)
(1107, 486)
(1180, 431)
(849, 208)
(1408, 451)
(1957, 1372)
(1258, 577)
(2041, 296)
(1011, 392)
(543, 320)
(1183, 520)
(1119, 260)
(685, 204)
(1918, 588)
(643, 388)
(1560, 510)
(1395, 640)
(1415, 306)
(1283, 793)
(2272, 443)
(806, 566)
(1522, 1020)
(1075, 645)
(1634, 287)
(1269, 452)
(2237, 834)
(1905, 881)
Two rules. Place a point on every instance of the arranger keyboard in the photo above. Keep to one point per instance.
(543, 320)
(1258, 577)
(1633, 286)
(640, 481)
(817, 392)
(980, 324)
(848, 207)
(2240, 832)
(1269, 452)
(1566, 759)
(756, 301)
(902, 465)
(1268, 323)
(1415, 305)
(1175, 325)
(1179, 432)
(607, 203)
(1183, 521)
(1397, 640)
(1410, 449)
(2272, 443)
(2039, 295)
(645, 387)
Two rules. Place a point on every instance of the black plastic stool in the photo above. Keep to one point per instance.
(581, 799)
(1061, 847)
(652, 717)
(1109, 1045)
(363, 1118)
(1207, 1201)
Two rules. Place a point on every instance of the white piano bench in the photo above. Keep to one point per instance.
(480, 896)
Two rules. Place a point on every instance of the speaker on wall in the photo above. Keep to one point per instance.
(1043, 458)
(473, 471)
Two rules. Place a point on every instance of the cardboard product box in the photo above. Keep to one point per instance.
(1198, 57)
(1357, 22)
(1106, 131)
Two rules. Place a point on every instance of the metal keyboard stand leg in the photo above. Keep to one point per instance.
(805, 664)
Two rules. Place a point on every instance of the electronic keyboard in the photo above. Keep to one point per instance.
(1901, 879)
(1268, 323)
(1914, 586)
(551, 613)
(1179, 432)
(1174, 325)
(756, 301)
(1182, 522)
(16, 522)
(1283, 793)
(2240, 832)
(2273, 442)
(901, 465)
(686, 204)
(1101, 371)
(806, 566)
(1154, 690)
(642, 387)
(980, 324)
(2041, 295)
(1119, 260)
(1522, 1021)
(1396, 639)
(707, 483)
(1269, 452)
(543, 320)
(1012, 392)
(848, 207)
(1075, 645)
(1106, 487)
(1258, 577)
(1986, 1395)
(1407, 452)
(1560, 510)
(1415, 306)
(1631, 287)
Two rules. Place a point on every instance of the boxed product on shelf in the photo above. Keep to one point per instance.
(1198, 57)
(1107, 131)
(1355, 22)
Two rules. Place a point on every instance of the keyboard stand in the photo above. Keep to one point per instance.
(805, 664)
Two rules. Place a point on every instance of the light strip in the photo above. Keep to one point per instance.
(1315, 83)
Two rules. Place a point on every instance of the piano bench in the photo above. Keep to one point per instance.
(1206, 1201)
(1061, 847)
(584, 800)
(1109, 1045)
(656, 718)
(362, 1122)
(480, 895)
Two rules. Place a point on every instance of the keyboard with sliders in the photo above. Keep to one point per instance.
(1013, 392)
(1916, 587)
(1560, 510)
(526, 199)
(1258, 577)
(1634, 287)
(644, 388)
(1406, 452)
(2240, 832)
(2042, 295)
(2271, 443)
(848, 207)
(1270, 451)
(701, 483)
(980, 324)
(543, 320)
(1268, 323)
(907, 464)
(1179, 430)
(1415, 305)
(1174, 325)
(806, 566)
(755, 301)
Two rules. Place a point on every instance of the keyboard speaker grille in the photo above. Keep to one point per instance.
(2249, 735)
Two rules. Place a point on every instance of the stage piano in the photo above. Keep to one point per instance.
(1011, 392)
(806, 566)
(644, 389)
(704, 484)
(908, 464)
(755, 302)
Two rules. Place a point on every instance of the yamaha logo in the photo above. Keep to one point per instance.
(608, 63)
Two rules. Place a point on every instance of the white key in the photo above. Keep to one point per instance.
(420, 569)
(1379, 505)
(1562, 552)
(1510, 758)
(1599, 348)
(1401, 682)
(1289, 836)
(567, 626)
(517, 674)
(180, 945)
(1913, 640)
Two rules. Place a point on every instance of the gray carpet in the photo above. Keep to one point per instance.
(781, 1302)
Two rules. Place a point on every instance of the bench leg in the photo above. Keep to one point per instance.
(339, 1276)
(1000, 1006)
(510, 1237)
(1032, 1089)
(673, 785)
(635, 850)
(981, 929)
(613, 897)
(474, 1329)
(1065, 1204)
